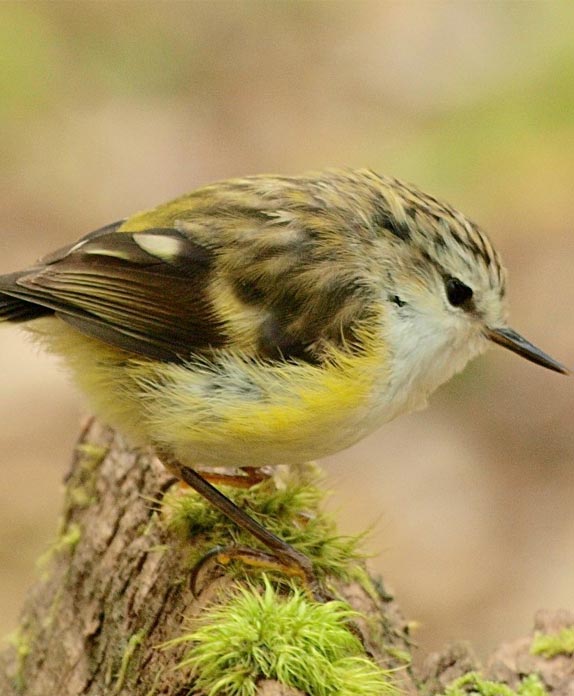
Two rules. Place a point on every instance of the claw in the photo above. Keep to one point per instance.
(255, 558)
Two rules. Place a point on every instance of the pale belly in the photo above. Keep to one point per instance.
(246, 416)
(284, 445)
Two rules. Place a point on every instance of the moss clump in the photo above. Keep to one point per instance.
(289, 511)
(473, 683)
(131, 646)
(21, 642)
(263, 635)
(65, 542)
(81, 491)
(552, 644)
(90, 455)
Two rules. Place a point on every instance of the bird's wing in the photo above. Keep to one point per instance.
(239, 279)
(143, 292)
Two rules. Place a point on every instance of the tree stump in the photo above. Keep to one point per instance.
(113, 612)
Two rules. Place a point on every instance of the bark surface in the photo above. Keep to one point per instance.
(116, 588)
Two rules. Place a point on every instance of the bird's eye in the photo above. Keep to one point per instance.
(397, 300)
(457, 292)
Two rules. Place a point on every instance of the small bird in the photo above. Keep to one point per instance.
(268, 320)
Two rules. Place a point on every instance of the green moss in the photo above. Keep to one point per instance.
(65, 542)
(552, 644)
(21, 642)
(290, 512)
(473, 683)
(79, 498)
(132, 645)
(70, 538)
(91, 456)
(399, 655)
(264, 635)
(81, 491)
(153, 691)
(55, 606)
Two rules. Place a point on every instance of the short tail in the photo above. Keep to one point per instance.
(15, 310)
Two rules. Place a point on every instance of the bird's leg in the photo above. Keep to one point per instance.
(253, 476)
(282, 555)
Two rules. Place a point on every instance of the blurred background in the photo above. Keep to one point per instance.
(111, 107)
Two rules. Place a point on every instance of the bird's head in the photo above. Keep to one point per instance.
(445, 287)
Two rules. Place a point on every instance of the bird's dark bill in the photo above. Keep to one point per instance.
(514, 342)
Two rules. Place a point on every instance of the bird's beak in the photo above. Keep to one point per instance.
(514, 342)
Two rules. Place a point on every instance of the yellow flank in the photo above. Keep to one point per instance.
(311, 395)
(290, 408)
(230, 409)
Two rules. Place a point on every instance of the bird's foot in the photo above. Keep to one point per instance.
(291, 563)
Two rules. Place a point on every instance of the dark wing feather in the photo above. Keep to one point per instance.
(14, 310)
(143, 292)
